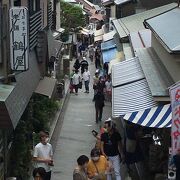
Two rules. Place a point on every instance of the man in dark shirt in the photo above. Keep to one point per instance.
(111, 146)
(99, 104)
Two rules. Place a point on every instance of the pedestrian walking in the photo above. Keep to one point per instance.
(80, 172)
(86, 78)
(106, 68)
(91, 52)
(84, 64)
(43, 154)
(97, 58)
(99, 104)
(95, 82)
(101, 84)
(76, 81)
(98, 166)
(111, 146)
(39, 173)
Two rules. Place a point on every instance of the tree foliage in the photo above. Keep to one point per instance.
(72, 16)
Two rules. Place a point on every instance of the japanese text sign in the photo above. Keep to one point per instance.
(19, 45)
(175, 129)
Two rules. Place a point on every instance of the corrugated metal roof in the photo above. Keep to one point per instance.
(122, 32)
(108, 45)
(110, 54)
(155, 72)
(126, 72)
(108, 36)
(167, 27)
(134, 23)
(131, 97)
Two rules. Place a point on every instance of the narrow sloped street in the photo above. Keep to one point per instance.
(75, 137)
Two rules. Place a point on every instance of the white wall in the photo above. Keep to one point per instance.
(113, 11)
(169, 60)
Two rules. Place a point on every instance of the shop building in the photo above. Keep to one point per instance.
(17, 87)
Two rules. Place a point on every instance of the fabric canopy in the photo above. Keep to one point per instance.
(110, 54)
(158, 117)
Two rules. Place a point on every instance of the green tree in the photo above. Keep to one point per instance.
(72, 16)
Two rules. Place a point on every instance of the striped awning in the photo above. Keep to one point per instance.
(158, 117)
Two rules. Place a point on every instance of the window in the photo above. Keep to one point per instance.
(34, 6)
(17, 2)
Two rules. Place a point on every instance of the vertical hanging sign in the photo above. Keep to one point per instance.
(19, 44)
(175, 129)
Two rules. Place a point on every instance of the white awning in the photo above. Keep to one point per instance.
(126, 72)
(99, 32)
(85, 31)
(132, 97)
(130, 90)
(108, 36)
(98, 38)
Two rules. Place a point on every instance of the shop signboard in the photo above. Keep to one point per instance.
(175, 129)
(19, 44)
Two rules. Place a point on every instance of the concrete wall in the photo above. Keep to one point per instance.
(169, 60)
(24, 3)
(113, 11)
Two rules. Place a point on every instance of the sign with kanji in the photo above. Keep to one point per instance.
(19, 44)
(175, 129)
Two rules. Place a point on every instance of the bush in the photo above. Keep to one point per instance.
(36, 117)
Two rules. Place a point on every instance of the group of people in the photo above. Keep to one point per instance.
(104, 159)
(76, 78)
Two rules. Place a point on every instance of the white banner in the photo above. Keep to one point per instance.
(19, 45)
(175, 129)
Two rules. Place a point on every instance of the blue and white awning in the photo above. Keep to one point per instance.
(158, 117)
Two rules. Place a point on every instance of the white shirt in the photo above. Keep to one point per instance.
(86, 75)
(108, 85)
(45, 152)
(76, 79)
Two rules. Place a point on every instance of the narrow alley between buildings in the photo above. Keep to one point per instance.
(75, 137)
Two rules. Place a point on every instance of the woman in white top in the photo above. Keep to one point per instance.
(86, 78)
(76, 80)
